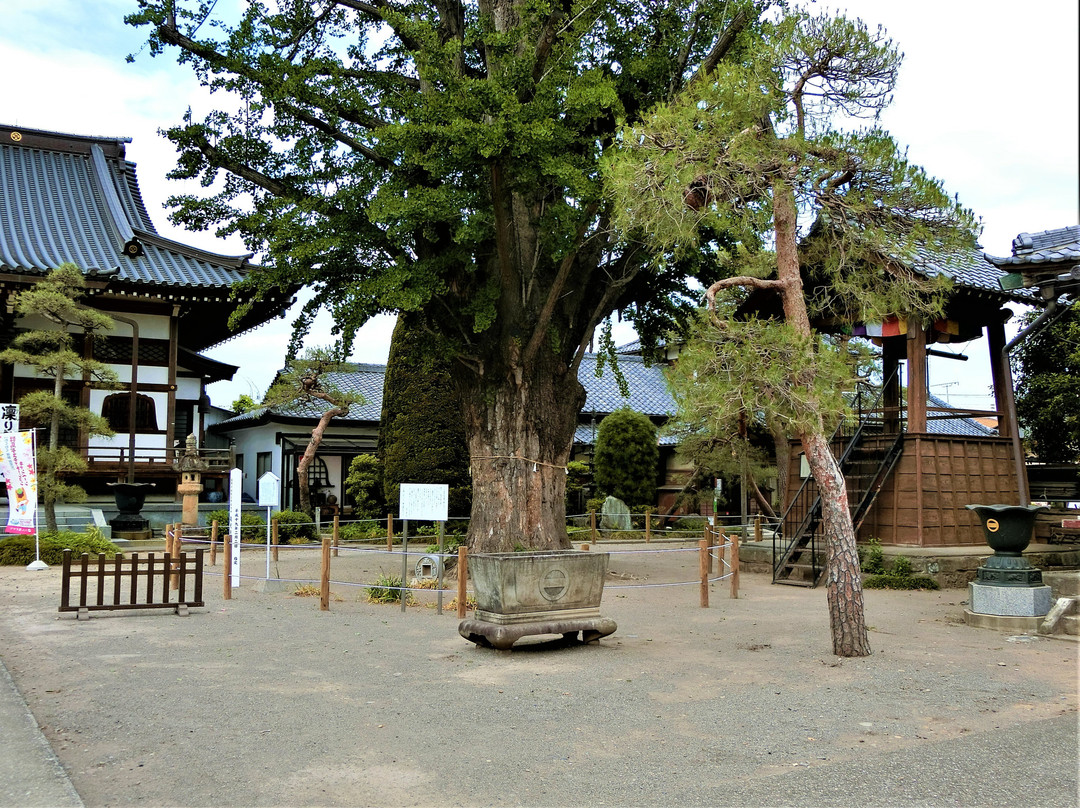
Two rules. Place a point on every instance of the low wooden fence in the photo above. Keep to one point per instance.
(116, 583)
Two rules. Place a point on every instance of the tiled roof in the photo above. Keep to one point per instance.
(647, 388)
(954, 426)
(366, 380)
(76, 198)
(1047, 247)
(967, 268)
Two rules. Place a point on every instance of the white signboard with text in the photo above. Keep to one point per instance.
(425, 502)
(236, 493)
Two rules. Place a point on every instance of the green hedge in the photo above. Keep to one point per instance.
(19, 550)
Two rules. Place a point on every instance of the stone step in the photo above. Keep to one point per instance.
(1070, 624)
(1063, 583)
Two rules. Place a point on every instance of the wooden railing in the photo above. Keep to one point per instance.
(116, 583)
(159, 459)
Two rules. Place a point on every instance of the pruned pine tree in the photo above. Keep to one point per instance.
(751, 151)
(422, 430)
(310, 385)
(444, 157)
(54, 302)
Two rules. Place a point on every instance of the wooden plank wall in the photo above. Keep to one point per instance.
(923, 501)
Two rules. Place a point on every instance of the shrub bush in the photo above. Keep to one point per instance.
(19, 550)
(367, 530)
(898, 577)
(252, 527)
(626, 457)
(294, 527)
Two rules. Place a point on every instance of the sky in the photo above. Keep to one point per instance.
(987, 102)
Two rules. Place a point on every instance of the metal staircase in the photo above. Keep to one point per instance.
(867, 447)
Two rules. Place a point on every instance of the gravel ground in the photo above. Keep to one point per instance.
(265, 700)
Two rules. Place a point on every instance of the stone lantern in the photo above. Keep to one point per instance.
(191, 466)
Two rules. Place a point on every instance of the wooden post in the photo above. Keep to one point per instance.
(324, 588)
(389, 532)
(721, 544)
(213, 543)
(174, 581)
(337, 534)
(758, 533)
(703, 554)
(227, 577)
(734, 567)
(462, 580)
(275, 538)
(708, 548)
(648, 526)
(592, 526)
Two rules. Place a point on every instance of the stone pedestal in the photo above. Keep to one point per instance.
(1009, 601)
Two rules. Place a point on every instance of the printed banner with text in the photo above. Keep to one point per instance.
(20, 474)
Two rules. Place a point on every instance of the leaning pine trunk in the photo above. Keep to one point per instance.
(843, 577)
(309, 454)
(521, 429)
(843, 582)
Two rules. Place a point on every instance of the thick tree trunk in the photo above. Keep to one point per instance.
(843, 577)
(521, 428)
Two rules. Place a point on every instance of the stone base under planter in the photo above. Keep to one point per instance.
(1009, 601)
(502, 635)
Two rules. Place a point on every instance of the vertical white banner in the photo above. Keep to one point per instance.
(236, 493)
(20, 477)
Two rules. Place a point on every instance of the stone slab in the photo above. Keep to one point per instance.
(271, 585)
(1012, 625)
(1009, 601)
(502, 637)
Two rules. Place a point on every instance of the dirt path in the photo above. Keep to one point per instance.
(265, 700)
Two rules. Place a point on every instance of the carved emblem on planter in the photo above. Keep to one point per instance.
(554, 584)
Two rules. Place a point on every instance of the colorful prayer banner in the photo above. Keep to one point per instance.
(20, 475)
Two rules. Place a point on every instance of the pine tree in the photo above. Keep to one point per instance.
(749, 151)
(51, 353)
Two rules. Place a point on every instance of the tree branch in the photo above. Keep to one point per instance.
(745, 281)
(722, 45)
(556, 290)
(336, 134)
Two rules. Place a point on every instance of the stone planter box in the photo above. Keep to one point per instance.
(546, 592)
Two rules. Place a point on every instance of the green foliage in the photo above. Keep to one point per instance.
(365, 531)
(627, 455)
(294, 527)
(871, 558)
(387, 589)
(53, 355)
(252, 526)
(1048, 388)
(445, 160)
(20, 550)
(595, 504)
(422, 435)
(243, 403)
(578, 475)
(364, 484)
(899, 576)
